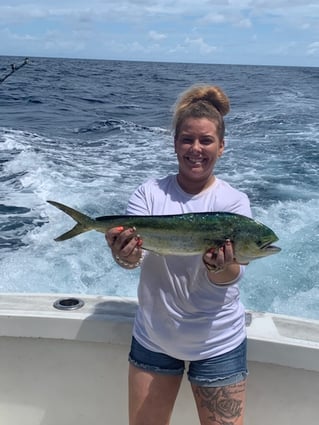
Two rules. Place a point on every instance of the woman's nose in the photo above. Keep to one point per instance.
(196, 146)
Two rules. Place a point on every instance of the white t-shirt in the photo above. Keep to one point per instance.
(181, 312)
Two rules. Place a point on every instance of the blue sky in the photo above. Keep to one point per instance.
(261, 32)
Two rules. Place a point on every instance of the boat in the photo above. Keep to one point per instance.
(64, 361)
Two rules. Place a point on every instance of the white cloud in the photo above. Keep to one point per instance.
(201, 45)
(228, 24)
(156, 36)
(7, 34)
(135, 46)
(284, 48)
(177, 49)
(313, 48)
(63, 46)
(237, 12)
(32, 13)
(213, 18)
(243, 23)
(237, 19)
(10, 14)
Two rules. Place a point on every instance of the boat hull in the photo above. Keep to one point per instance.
(70, 366)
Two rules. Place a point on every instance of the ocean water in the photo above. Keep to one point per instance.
(86, 133)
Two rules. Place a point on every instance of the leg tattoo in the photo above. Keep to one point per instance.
(224, 404)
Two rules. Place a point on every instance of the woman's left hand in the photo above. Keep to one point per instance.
(221, 265)
(217, 260)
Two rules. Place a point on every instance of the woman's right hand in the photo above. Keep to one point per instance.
(125, 245)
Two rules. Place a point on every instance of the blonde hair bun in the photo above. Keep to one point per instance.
(213, 95)
(201, 101)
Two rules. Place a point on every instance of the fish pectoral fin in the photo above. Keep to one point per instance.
(77, 230)
(242, 260)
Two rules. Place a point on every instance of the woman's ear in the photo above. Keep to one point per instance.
(221, 147)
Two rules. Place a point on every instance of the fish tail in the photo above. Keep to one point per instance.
(82, 220)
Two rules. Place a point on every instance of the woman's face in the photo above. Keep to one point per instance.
(198, 147)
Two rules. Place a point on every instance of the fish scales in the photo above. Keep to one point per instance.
(191, 233)
(184, 234)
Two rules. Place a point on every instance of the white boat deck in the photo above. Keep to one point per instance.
(69, 367)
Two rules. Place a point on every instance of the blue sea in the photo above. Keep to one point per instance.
(86, 133)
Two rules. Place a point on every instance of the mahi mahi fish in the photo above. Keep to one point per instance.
(184, 234)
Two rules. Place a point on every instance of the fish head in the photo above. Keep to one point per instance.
(255, 244)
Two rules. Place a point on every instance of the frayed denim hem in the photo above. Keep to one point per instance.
(219, 382)
(156, 369)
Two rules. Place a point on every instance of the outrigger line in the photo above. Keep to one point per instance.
(14, 68)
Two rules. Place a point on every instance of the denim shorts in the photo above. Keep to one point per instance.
(225, 369)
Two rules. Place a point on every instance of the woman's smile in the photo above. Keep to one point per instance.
(195, 161)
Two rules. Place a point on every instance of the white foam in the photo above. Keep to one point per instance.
(292, 271)
(97, 177)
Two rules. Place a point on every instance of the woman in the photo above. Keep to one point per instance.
(189, 308)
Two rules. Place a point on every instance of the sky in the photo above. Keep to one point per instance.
(251, 32)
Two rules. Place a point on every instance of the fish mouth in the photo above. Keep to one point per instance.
(268, 247)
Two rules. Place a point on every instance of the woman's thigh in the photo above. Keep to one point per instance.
(151, 396)
(219, 387)
(221, 405)
(154, 381)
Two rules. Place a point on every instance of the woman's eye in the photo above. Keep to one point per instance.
(187, 140)
(190, 140)
(206, 141)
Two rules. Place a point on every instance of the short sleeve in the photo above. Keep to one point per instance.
(138, 204)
